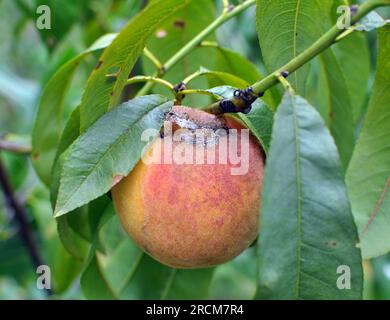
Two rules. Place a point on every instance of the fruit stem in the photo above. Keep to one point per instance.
(327, 40)
(184, 51)
(286, 85)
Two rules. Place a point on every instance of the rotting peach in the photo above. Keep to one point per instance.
(191, 215)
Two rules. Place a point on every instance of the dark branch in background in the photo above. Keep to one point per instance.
(21, 216)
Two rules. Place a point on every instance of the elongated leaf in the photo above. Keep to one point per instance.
(152, 280)
(107, 151)
(172, 35)
(92, 281)
(71, 237)
(126, 272)
(188, 284)
(353, 58)
(220, 78)
(64, 267)
(334, 98)
(72, 242)
(70, 132)
(232, 62)
(120, 265)
(236, 279)
(101, 94)
(48, 124)
(63, 17)
(368, 176)
(77, 228)
(285, 29)
(69, 135)
(260, 121)
(356, 70)
(306, 226)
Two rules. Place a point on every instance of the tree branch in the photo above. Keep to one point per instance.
(21, 216)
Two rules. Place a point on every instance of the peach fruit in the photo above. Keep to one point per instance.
(191, 215)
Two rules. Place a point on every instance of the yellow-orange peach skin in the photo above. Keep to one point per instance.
(192, 215)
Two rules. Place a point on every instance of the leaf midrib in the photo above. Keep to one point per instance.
(299, 195)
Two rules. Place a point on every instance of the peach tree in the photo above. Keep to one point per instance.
(324, 195)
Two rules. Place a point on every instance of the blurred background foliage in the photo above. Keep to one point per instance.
(28, 58)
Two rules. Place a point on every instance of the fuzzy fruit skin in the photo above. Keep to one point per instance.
(191, 216)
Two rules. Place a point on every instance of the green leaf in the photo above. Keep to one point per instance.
(232, 62)
(356, 71)
(69, 135)
(48, 124)
(72, 242)
(93, 283)
(101, 94)
(152, 280)
(334, 98)
(126, 272)
(63, 16)
(285, 29)
(236, 279)
(107, 151)
(71, 227)
(188, 284)
(260, 121)
(219, 78)
(368, 176)
(70, 132)
(64, 267)
(307, 230)
(77, 228)
(172, 35)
